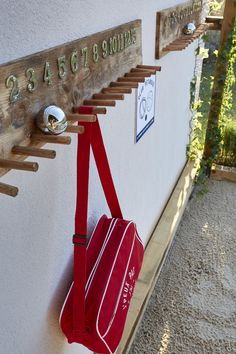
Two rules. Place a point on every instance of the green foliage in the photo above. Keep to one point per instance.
(216, 7)
(219, 135)
(227, 154)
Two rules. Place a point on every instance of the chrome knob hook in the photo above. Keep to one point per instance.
(52, 120)
(189, 28)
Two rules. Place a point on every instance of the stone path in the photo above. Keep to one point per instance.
(193, 307)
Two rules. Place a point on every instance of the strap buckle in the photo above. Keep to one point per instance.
(80, 240)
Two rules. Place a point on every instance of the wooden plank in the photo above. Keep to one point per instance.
(170, 23)
(64, 76)
(224, 173)
(156, 252)
(217, 22)
(184, 41)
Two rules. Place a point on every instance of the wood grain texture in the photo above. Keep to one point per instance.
(7, 189)
(124, 84)
(93, 102)
(170, 23)
(19, 165)
(69, 84)
(131, 79)
(32, 151)
(52, 139)
(117, 90)
(152, 67)
(75, 129)
(73, 117)
(184, 41)
(109, 96)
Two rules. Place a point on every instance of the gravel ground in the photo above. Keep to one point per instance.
(193, 307)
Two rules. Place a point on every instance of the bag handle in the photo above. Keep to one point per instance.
(91, 137)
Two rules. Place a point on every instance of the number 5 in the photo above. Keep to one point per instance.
(61, 63)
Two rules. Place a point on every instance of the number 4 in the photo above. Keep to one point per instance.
(47, 77)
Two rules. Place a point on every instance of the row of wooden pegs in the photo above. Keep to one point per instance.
(185, 40)
(106, 98)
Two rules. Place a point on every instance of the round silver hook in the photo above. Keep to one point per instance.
(52, 120)
(189, 28)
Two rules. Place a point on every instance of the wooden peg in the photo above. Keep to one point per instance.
(117, 90)
(139, 70)
(32, 151)
(92, 102)
(53, 139)
(19, 165)
(108, 96)
(139, 74)
(95, 110)
(8, 190)
(81, 117)
(131, 79)
(75, 129)
(153, 67)
(99, 110)
(125, 84)
(183, 45)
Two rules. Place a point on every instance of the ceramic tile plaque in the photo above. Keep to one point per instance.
(171, 21)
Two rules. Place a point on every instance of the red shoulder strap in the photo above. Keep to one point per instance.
(91, 137)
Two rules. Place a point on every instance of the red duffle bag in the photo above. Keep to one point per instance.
(107, 266)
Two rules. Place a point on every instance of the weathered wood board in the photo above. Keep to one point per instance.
(170, 23)
(64, 76)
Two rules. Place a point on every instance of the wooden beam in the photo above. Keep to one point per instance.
(224, 173)
(216, 21)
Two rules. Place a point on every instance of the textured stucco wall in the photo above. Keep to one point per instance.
(36, 227)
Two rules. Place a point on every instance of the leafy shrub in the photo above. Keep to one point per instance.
(227, 154)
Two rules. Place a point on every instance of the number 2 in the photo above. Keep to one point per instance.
(12, 82)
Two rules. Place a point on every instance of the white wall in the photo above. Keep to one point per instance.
(37, 226)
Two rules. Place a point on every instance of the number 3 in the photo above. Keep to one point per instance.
(33, 83)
